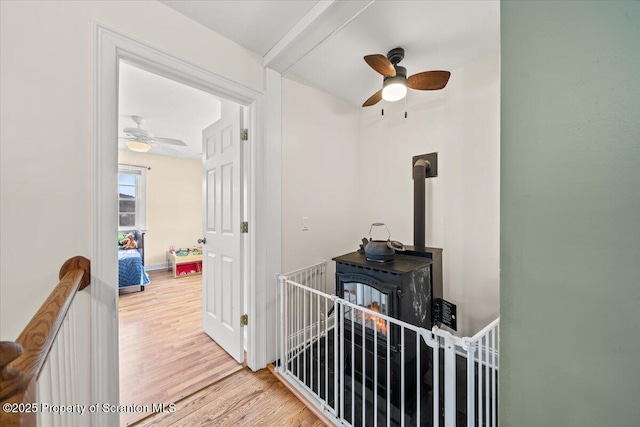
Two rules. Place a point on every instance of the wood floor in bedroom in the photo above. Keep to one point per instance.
(164, 354)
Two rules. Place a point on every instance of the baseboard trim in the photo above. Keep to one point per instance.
(154, 267)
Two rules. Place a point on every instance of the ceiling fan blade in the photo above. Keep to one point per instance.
(429, 80)
(373, 99)
(381, 64)
(170, 141)
(137, 132)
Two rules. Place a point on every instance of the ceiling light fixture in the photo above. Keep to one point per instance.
(138, 146)
(396, 83)
(394, 91)
(395, 88)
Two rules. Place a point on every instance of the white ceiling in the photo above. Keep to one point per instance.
(170, 110)
(436, 35)
(256, 25)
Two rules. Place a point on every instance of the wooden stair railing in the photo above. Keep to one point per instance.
(21, 361)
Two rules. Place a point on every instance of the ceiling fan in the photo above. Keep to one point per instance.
(141, 140)
(395, 82)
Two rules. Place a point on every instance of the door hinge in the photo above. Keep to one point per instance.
(244, 227)
(244, 320)
(244, 134)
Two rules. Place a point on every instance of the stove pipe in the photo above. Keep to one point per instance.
(424, 166)
(420, 168)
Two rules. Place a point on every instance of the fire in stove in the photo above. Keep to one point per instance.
(371, 320)
(371, 298)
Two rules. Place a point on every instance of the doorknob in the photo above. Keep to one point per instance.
(203, 240)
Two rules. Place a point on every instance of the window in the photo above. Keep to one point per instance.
(131, 197)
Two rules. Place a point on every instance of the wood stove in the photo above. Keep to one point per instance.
(409, 288)
(403, 289)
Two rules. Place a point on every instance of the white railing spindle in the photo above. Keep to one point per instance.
(449, 382)
(470, 348)
(494, 378)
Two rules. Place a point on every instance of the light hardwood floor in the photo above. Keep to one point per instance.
(164, 354)
(243, 399)
(165, 358)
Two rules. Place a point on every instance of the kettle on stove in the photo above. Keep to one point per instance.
(380, 250)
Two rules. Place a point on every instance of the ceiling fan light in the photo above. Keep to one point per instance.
(138, 146)
(395, 88)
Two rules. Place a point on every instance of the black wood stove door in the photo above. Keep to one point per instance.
(370, 293)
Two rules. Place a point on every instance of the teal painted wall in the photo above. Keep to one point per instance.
(570, 214)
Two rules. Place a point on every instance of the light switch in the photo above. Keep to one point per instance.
(305, 223)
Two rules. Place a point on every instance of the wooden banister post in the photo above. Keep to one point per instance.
(12, 380)
(9, 351)
(77, 263)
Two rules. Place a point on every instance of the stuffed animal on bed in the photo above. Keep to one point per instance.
(129, 242)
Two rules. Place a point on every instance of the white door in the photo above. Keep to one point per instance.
(222, 250)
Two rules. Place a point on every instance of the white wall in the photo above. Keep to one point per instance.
(346, 167)
(270, 191)
(320, 167)
(46, 51)
(461, 123)
(174, 203)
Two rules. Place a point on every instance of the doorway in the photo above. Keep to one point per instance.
(168, 347)
(111, 48)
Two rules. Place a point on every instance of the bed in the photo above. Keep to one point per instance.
(131, 262)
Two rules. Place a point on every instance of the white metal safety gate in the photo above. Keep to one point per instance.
(363, 368)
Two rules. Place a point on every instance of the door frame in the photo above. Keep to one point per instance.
(110, 47)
